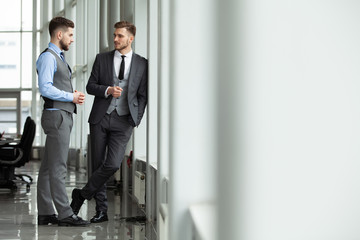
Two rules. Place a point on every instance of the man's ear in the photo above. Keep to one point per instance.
(59, 35)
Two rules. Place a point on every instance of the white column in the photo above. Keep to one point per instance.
(58, 6)
(91, 45)
(163, 124)
(192, 111)
(140, 47)
(104, 25)
(152, 113)
(114, 17)
(127, 10)
(70, 13)
(140, 21)
(45, 17)
(289, 120)
(81, 80)
(230, 121)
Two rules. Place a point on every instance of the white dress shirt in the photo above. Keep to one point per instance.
(117, 62)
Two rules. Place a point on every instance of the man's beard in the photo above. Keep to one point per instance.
(123, 47)
(64, 46)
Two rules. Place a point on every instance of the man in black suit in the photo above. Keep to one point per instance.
(119, 83)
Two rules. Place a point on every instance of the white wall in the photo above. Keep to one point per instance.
(192, 111)
(289, 120)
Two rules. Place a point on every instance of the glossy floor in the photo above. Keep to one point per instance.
(18, 214)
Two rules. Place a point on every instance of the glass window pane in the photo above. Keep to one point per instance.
(9, 60)
(8, 109)
(27, 61)
(8, 115)
(27, 14)
(9, 129)
(10, 15)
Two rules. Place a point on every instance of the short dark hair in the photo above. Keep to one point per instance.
(129, 26)
(60, 22)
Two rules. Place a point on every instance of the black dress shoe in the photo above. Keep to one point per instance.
(46, 219)
(99, 217)
(77, 200)
(73, 221)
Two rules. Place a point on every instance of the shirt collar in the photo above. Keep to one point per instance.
(55, 48)
(128, 55)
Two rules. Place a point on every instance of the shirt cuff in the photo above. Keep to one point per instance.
(70, 97)
(106, 95)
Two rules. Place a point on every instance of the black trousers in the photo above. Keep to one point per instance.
(108, 143)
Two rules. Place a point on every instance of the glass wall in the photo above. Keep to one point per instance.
(16, 64)
(8, 114)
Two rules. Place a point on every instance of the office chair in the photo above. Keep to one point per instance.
(14, 156)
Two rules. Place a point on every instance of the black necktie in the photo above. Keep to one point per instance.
(122, 67)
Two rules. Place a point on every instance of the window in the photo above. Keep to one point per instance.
(16, 64)
(9, 114)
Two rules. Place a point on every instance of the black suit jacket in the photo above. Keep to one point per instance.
(102, 77)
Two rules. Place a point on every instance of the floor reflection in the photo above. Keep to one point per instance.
(18, 215)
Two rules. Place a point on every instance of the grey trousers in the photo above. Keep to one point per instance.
(57, 125)
(110, 136)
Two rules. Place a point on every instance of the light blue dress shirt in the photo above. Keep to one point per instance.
(46, 66)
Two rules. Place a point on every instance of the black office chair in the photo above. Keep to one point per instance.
(14, 156)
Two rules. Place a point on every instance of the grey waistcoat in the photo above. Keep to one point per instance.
(121, 103)
(62, 81)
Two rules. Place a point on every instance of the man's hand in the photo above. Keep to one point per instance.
(79, 98)
(115, 91)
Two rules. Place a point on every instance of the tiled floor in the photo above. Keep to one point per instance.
(18, 214)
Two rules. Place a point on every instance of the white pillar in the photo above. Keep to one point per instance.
(114, 17)
(45, 17)
(81, 80)
(163, 124)
(140, 47)
(152, 113)
(58, 6)
(192, 111)
(232, 98)
(289, 120)
(104, 26)
(92, 45)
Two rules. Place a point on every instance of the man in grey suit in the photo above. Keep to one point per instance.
(57, 120)
(119, 83)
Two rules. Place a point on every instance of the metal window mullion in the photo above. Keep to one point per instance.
(18, 112)
(33, 85)
(21, 40)
(18, 98)
(19, 31)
